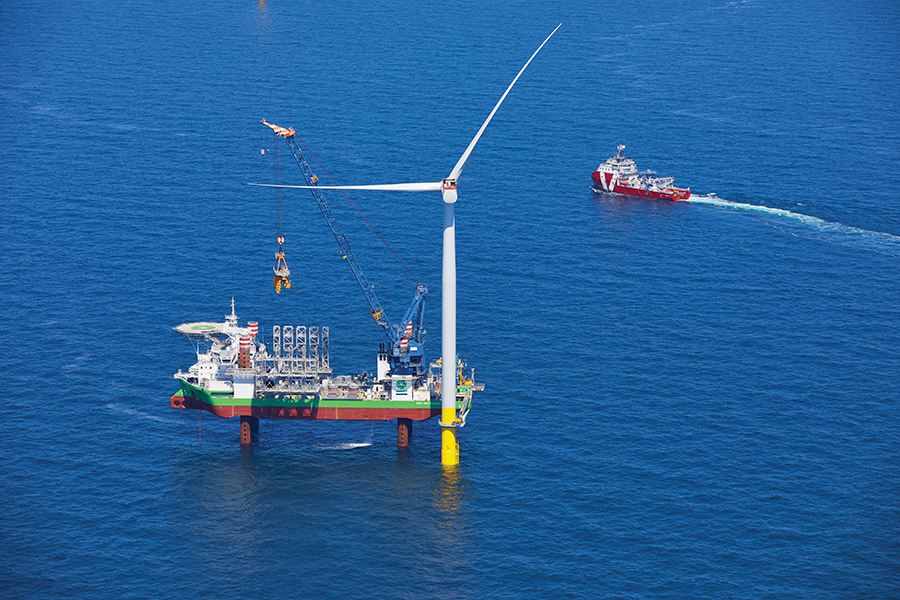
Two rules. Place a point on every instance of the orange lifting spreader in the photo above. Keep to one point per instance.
(281, 269)
(285, 133)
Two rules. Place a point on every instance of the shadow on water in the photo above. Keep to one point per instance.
(382, 506)
(451, 493)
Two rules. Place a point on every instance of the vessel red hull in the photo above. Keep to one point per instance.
(315, 413)
(616, 188)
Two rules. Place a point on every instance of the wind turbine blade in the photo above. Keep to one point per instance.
(457, 170)
(391, 187)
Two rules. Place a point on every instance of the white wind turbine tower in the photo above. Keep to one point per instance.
(447, 187)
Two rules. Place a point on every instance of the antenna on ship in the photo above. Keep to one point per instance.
(450, 419)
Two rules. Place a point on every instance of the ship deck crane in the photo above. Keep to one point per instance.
(405, 346)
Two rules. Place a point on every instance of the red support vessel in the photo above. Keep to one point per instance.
(619, 175)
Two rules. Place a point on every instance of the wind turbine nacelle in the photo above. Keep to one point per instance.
(448, 189)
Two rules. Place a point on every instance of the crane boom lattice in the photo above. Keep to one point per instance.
(346, 252)
(412, 328)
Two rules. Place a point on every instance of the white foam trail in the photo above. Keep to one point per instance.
(340, 446)
(351, 445)
(877, 241)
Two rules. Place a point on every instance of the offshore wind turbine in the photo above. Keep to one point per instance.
(447, 187)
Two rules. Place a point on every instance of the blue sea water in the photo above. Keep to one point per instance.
(682, 400)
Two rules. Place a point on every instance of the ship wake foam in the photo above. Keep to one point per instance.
(367, 441)
(876, 241)
(347, 446)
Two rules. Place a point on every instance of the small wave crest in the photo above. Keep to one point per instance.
(130, 411)
(877, 241)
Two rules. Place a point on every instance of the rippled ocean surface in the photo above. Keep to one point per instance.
(683, 400)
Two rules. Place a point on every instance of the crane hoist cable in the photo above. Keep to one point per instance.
(405, 344)
(282, 273)
(279, 203)
(358, 212)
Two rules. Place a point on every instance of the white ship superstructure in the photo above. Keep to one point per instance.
(233, 360)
